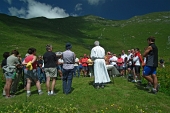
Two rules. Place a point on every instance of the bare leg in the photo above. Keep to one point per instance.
(149, 79)
(155, 81)
(8, 86)
(53, 84)
(38, 85)
(48, 83)
(28, 84)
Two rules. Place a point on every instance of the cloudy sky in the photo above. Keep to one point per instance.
(108, 9)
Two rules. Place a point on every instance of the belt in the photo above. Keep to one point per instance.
(68, 63)
(99, 58)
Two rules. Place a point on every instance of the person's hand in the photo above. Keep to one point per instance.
(143, 64)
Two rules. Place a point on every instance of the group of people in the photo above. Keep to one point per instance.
(134, 61)
(82, 66)
(67, 64)
(31, 68)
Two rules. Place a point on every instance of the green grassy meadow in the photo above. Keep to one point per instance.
(81, 32)
(120, 97)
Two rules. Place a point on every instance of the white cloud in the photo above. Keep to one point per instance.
(78, 7)
(15, 12)
(95, 2)
(37, 9)
(9, 1)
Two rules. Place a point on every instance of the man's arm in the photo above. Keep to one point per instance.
(147, 51)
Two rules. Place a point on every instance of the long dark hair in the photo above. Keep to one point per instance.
(6, 55)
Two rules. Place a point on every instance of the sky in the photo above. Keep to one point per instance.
(108, 9)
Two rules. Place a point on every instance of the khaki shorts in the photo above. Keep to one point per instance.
(51, 72)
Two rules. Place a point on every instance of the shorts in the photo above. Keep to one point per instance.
(137, 69)
(148, 70)
(85, 68)
(130, 67)
(31, 74)
(9, 75)
(119, 67)
(59, 67)
(51, 72)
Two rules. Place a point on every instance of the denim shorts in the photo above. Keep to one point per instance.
(31, 74)
(148, 70)
(9, 75)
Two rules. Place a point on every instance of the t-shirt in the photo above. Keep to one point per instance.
(113, 60)
(120, 61)
(76, 62)
(90, 63)
(12, 60)
(39, 62)
(50, 59)
(84, 61)
(30, 58)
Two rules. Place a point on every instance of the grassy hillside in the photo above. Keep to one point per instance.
(17, 33)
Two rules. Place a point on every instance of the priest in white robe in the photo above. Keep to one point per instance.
(100, 70)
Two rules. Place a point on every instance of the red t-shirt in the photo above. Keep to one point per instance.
(120, 61)
(30, 58)
(84, 61)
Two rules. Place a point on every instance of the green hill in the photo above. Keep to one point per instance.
(17, 33)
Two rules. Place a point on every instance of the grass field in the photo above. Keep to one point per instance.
(120, 97)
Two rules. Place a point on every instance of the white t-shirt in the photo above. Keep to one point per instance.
(60, 60)
(123, 56)
(76, 60)
(113, 60)
(136, 61)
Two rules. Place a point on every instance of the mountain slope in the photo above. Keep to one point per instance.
(17, 33)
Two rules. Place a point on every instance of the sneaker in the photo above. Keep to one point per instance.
(134, 81)
(28, 94)
(48, 94)
(154, 91)
(40, 93)
(10, 96)
(53, 94)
